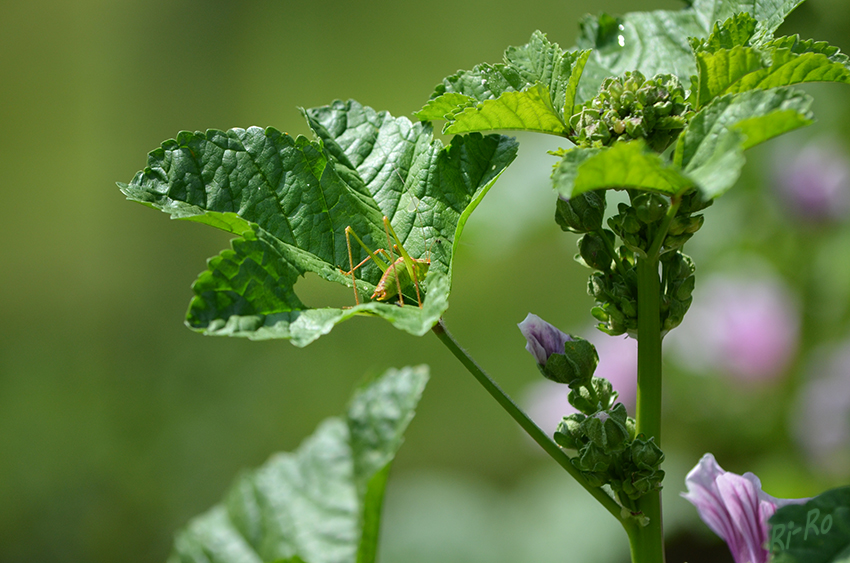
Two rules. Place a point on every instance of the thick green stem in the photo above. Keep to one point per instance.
(528, 425)
(648, 542)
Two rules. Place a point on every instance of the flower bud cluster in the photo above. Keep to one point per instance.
(616, 297)
(677, 272)
(636, 224)
(602, 434)
(685, 223)
(582, 213)
(633, 107)
(614, 284)
(608, 452)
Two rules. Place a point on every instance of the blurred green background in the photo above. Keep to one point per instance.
(118, 424)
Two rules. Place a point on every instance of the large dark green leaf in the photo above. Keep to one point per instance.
(657, 42)
(815, 532)
(321, 503)
(289, 200)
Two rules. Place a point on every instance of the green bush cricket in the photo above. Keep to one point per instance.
(398, 274)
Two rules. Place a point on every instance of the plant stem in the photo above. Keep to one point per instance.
(648, 542)
(549, 446)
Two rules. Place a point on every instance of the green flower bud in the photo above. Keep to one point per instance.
(607, 430)
(685, 288)
(575, 366)
(675, 313)
(593, 458)
(678, 266)
(678, 225)
(631, 223)
(568, 434)
(599, 314)
(613, 87)
(594, 479)
(632, 107)
(592, 397)
(615, 314)
(649, 207)
(582, 213)
(641, 483)
(677, 241)
(628, 307)
(663, 109)
(693, 201)
(635, 127)
(633, 242)
(695, 224)
(594, 251)
(645, 454)
(618, 126)
(597, 286)
(613, 321)
(631, 426)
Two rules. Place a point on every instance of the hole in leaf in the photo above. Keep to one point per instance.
(316, 292)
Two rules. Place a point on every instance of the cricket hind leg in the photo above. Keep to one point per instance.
(354, 268)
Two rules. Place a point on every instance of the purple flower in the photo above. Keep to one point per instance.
(745, 325)
(814, 183)
(546, 402)
(734, 507)
(823, 410)
(543, 338)
(618, 364)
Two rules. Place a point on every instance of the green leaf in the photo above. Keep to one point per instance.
(709, 153)
(321, 503)
(528, 110)
(746, 68)
(541, 61)
(718, 70)
(768, 13)
(534, 89)
(623, 165)
(444, 105)
(657, 42)
(734, 32)
(815, 532)
(800, 47)
(290, 201)
(710, 149)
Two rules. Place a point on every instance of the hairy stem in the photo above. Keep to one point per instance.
(549, 446)
(648, 542)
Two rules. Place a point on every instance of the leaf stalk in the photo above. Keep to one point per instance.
(542, 439)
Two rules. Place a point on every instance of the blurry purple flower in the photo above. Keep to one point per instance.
(734, 507)
(546, 401)
(822, 417)
(746, 326)
(618, 364)
(543, 338)
(814, 183)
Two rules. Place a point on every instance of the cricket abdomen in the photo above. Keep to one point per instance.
(398, 276)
